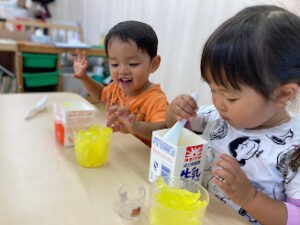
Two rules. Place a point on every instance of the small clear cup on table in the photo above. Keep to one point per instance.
(177, 201)
(131, 203)
(92, 146)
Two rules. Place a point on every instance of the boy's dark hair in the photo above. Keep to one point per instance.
(258, 47)
(141, 33)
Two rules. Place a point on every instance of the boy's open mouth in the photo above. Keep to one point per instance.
(125, 81)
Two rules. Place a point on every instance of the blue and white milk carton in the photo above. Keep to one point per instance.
(182, 160)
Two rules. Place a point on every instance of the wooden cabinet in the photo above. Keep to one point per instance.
(31, 47)
(27, 28)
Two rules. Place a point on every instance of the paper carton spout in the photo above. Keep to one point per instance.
(173, 134)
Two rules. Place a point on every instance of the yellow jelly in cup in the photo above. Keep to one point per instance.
(177, 205)
(92, 146)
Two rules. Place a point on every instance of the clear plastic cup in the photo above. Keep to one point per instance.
(92, 146)
(131, 203)
(180, 202)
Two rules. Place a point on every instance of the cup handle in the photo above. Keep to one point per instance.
(123, 193)
(142, 192)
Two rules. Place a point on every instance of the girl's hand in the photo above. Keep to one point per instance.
(80, 65)
(183, 106)
(233, 181)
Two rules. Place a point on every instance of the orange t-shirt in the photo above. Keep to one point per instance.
(149, 106)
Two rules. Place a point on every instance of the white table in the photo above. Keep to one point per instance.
(41, 184)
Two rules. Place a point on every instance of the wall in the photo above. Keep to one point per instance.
(182, 27)
(67, 11)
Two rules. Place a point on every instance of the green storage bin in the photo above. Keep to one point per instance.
(41, 79)
(98, 78)
(33, 60)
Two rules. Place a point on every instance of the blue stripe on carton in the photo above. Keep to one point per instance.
(163, 146)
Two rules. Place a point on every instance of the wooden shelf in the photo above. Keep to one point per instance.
(27, 28)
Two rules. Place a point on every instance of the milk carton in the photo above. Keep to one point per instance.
(71, 116)
(182, 160)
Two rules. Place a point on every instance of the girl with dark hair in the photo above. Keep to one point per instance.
(252, 66)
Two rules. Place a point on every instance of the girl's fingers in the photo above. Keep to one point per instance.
(184, 106)
(222, 176)
(190, 102)
(226, 168)
(227, 162)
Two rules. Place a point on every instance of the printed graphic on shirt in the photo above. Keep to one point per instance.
(281, 140)
(288, 163)
(210, 185)
(209, 158)
(204, 118)
(245, 214)
(219, 131)
(271, 157)
(278, 192)
(244, 148)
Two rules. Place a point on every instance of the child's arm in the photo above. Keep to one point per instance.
(183, 106)
(120, 119)
(80, 65)
(145, 129)
(237, 187)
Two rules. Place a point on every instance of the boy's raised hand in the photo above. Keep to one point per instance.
(80, 65)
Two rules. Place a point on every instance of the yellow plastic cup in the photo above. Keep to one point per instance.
(92, 146)
(180, 202)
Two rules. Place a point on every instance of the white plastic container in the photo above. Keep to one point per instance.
(71, 116)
